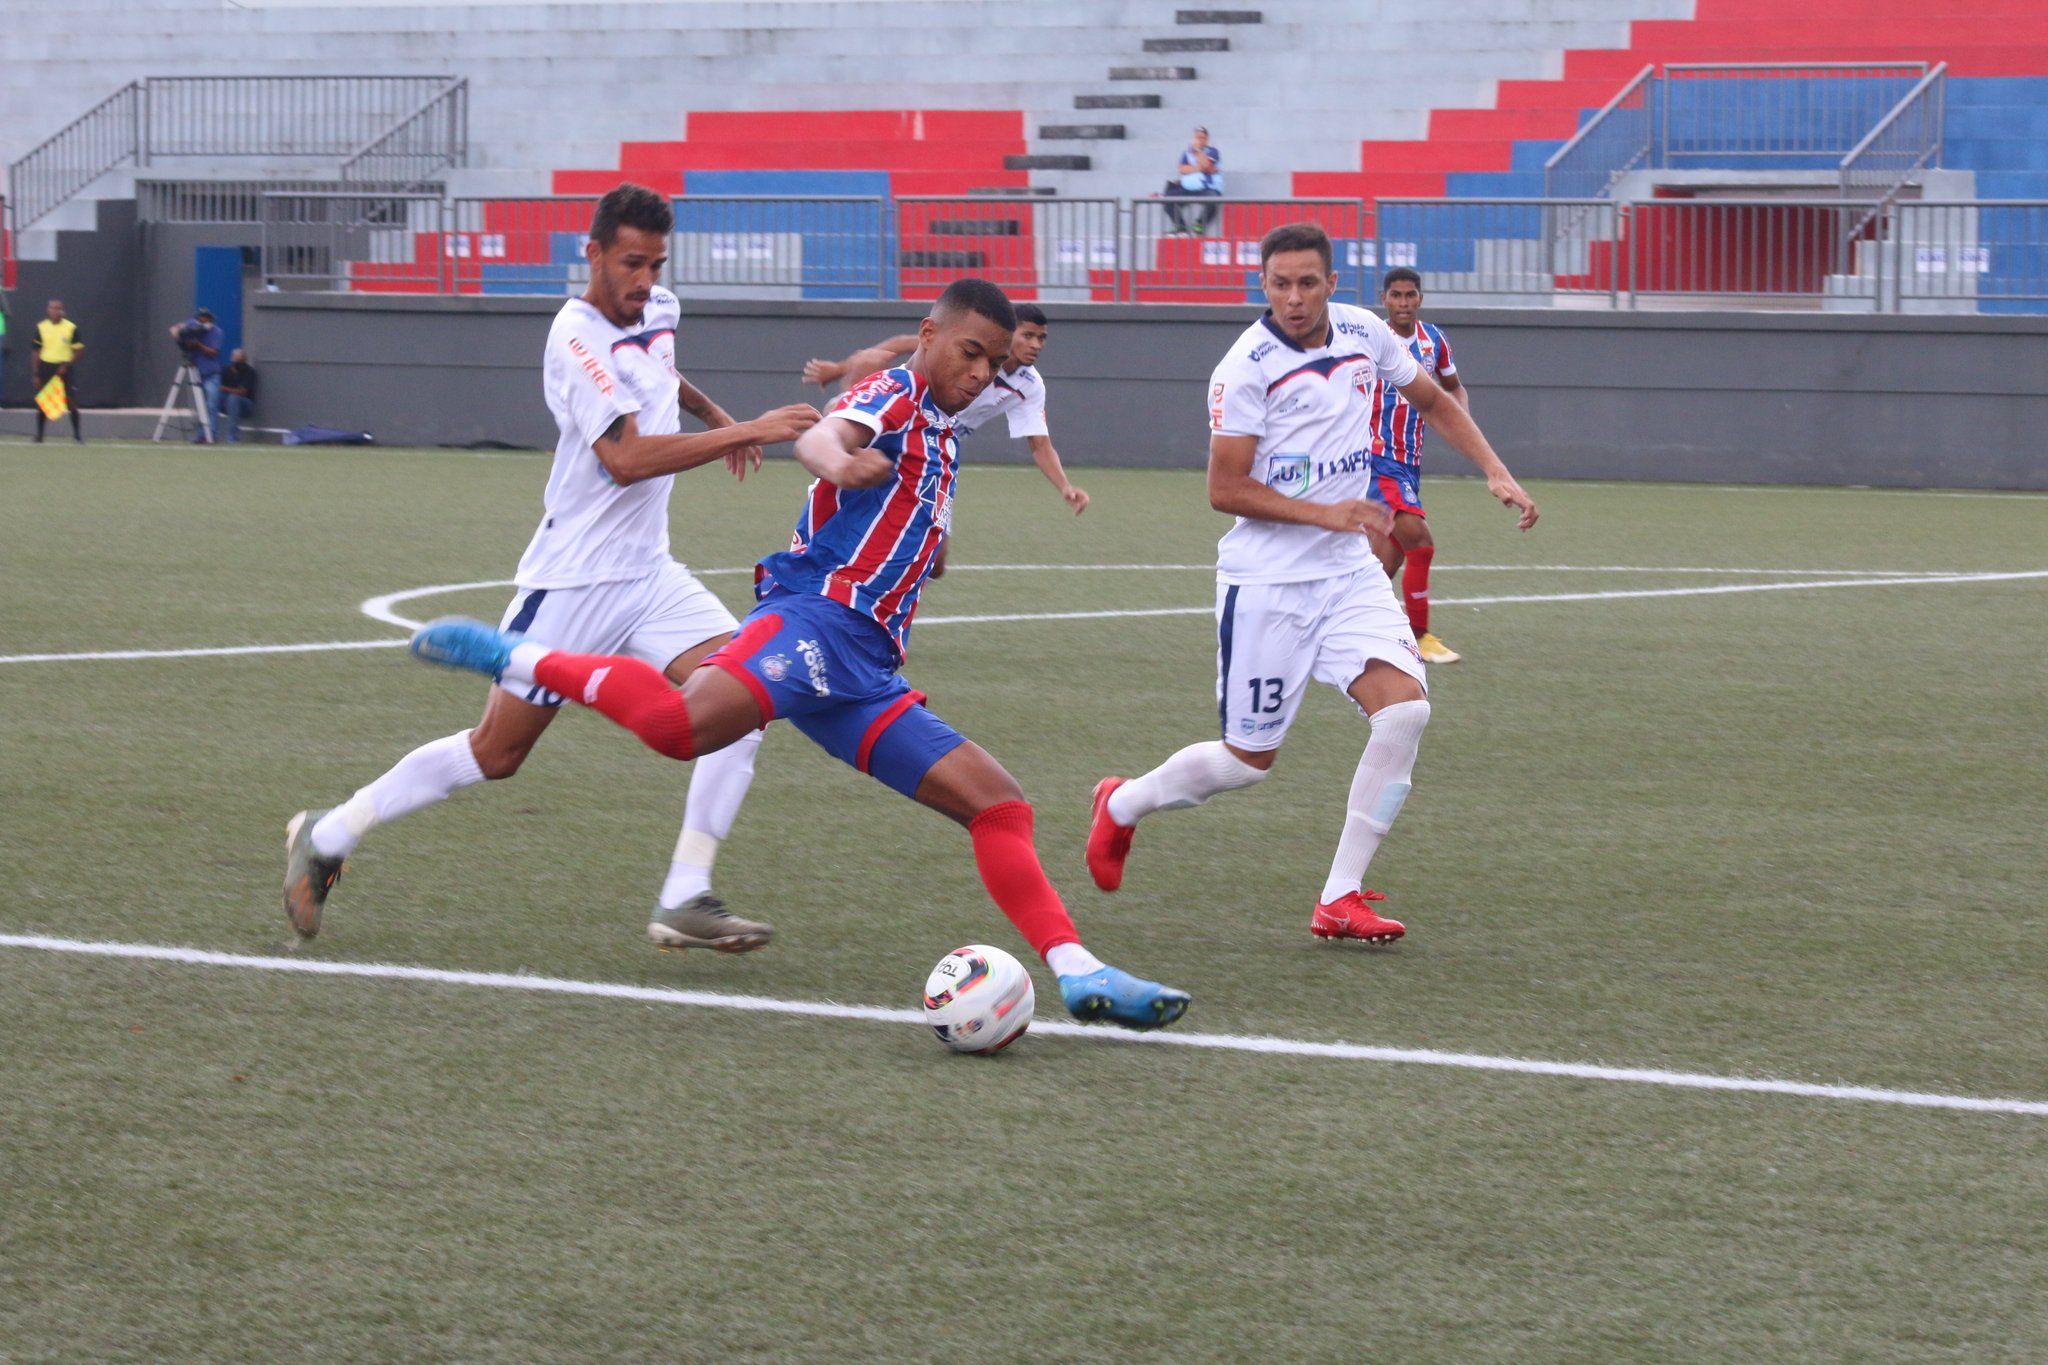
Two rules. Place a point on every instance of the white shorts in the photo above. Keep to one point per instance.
(1270, 637)
(654, 618)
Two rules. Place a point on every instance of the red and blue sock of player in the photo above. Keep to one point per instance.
(637, 695)
(1008, 862)
(1415, 587)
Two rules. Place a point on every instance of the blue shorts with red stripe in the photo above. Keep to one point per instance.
(831, 673)
(1399, 484)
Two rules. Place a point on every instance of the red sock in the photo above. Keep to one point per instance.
(1415, 587)
(635, 694)
(1008, 863)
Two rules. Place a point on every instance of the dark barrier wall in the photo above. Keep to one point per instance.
(1724, 397)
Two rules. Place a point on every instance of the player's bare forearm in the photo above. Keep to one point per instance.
(699, 405)
(631, 457)
(1449, 420)
(837, 451)
(1048, 461)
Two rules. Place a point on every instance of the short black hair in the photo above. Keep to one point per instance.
(1397, 275)
(1029, 312)
(633, 206)
(973, 295)
(1296, 237)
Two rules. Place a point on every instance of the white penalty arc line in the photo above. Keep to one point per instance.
(1216, 1042)
(382, 608)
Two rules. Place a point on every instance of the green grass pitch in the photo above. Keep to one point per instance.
(1759, 831)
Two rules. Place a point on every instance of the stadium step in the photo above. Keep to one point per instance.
(1116, 102)
(1080, 132)
(1047, 161)
(1187, 45)
(1219, 16)
(1152, 73)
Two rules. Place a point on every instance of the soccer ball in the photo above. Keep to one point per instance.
(978, 999)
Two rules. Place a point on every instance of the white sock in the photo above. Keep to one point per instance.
(430, 773)
(1377, 791)
(1071, 959)
(718, 783)
(1189, 778)
(525, 654)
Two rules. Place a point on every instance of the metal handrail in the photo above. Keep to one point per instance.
(1936, 78)
(445, 145)
(1558, 158)
(106, 134)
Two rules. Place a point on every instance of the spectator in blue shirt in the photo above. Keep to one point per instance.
(1198, 176)
(200, 340)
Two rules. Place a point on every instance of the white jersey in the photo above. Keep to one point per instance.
(592, 530)
(1312, 412)
(1021, 396)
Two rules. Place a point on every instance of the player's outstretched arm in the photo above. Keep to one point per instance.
(837, 451)
(861, 363)
(699, 405)
(631, 457)
(1448, 419)
(1232, 489)
(1048, 461)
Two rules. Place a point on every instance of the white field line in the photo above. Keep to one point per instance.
(823, 1009)
(382, 608)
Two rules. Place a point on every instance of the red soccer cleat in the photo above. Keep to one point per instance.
(1350, 917)
(1108, 842)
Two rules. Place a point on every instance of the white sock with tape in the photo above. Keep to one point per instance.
(1189, 778)
(1377, 791)
(718, 784)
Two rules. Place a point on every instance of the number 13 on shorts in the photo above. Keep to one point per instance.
(1262, 666)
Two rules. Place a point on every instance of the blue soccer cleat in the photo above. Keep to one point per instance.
(462, 642)
(1121, 998)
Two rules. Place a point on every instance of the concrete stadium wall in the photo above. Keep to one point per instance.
(1912, 402)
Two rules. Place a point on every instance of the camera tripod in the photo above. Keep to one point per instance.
(185, 387)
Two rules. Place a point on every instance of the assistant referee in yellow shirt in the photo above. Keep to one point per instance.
(57, 346)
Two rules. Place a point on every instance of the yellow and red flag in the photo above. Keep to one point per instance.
(53, 400)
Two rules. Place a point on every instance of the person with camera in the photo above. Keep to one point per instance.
(57, 348)
(200, 340)
(237, 395)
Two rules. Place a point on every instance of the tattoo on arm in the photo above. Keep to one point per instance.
(615, 430)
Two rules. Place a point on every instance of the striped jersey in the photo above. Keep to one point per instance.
(1398, 428)
(871, 549)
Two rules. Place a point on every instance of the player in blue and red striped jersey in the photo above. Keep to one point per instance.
(1397, 456)
(826, 640)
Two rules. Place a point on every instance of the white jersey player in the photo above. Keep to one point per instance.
(597, 576)
(1299, 592)
(1017, 394)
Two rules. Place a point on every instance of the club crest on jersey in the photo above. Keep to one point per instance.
(1286, 473)
(1361, 379)
(776, 667)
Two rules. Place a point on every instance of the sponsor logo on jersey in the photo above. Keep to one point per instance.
(873, 387)
(1344, 464)
(1346, 327)
(1262, 350)
(597, 372)
(814, 660)
(1289, 474)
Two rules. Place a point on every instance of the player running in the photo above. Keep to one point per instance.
(597, 574)
(1299, 592)
(1017, 392)
(824, 645)
(1397, 456)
